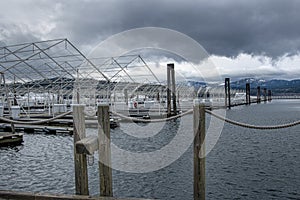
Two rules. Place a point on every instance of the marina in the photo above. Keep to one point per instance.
(142, 100)
(75, 112)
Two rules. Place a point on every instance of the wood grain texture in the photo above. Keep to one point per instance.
(81, 174)
(105, 171)
(199, 152)
(87, 145)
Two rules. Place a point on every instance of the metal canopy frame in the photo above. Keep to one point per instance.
(58, 67)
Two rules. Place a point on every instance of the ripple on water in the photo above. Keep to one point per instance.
(244, 164)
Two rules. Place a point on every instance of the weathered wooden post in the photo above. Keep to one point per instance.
(199, 151)
(105, 171)
(171, 90)
(171, 65)
(258, 95)
(168, 91)
(265, 94)
(248, 101)
(269, 95)
(227, 93)
(81, 174)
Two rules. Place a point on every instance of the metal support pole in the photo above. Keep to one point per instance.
(126, 96)
(6, 93)
(77, 87)
(28, 100)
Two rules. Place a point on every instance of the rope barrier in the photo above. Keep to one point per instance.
(152, 120)
(35, 122)
(163, 120)
(253, 126)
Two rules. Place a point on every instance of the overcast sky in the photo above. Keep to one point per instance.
(259, 38)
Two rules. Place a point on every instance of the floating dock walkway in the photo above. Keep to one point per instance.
(8, 139)
(10, 195)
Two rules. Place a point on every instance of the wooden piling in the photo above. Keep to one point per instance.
(258, 95)
(269, 95)
(81, 174)
(265, 94)
(227, 93)
(199, 152)
(173, 88)
(105, 171)
(248, 100)
(168, 91)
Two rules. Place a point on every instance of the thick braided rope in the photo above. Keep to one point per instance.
(152, 120)
(35, 122)
(253, 126)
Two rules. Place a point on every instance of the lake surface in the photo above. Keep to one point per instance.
(244, 163)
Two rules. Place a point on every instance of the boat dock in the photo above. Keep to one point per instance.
(11, 195)
(8, 138)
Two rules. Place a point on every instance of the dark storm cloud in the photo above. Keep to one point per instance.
(223, 27)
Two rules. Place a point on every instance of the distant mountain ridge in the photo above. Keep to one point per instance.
(278, 87)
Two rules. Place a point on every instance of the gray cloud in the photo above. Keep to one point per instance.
(222, 27)
(13, 33)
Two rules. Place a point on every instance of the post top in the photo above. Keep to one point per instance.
(171, 65)
(76, 105)
(198, 102)
(102, 104)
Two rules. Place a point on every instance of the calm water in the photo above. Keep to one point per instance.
(244, 164)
